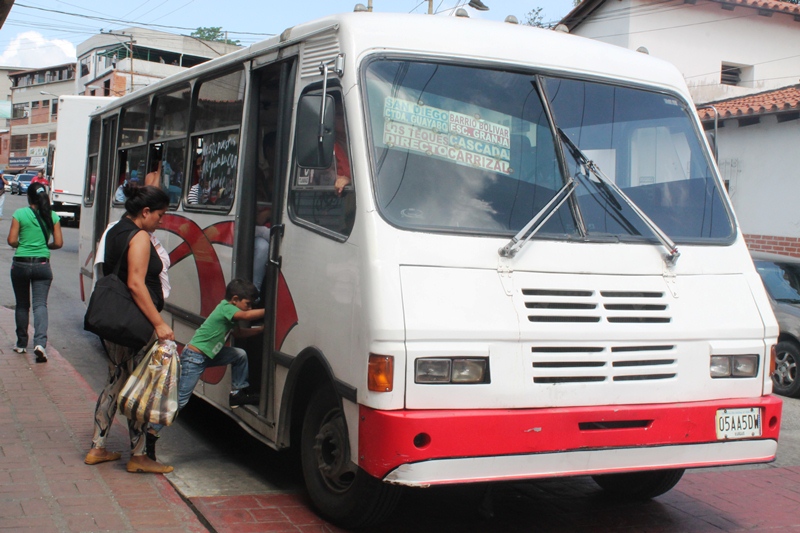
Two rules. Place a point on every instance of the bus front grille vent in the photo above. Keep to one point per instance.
(591, 364)
(316, 51)
(590, 306)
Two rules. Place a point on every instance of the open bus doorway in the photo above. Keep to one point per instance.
(257, 246)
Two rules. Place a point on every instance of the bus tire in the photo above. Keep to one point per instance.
(339, 490)
(785, 379)
(639, 485)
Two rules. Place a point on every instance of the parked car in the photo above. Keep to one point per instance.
(21, 183)
(781, 277)
(8, 182)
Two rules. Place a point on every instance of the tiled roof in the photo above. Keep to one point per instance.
(775, 101)
(586, 7)
(770, 5)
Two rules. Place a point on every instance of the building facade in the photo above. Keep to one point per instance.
(119, 62)
(724, 48)
(34, 112)
(5, 114)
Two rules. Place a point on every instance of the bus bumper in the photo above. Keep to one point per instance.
(423, 448)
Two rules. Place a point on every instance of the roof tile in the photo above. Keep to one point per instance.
(784, 99)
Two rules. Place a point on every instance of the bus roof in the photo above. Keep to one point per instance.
(456, 37)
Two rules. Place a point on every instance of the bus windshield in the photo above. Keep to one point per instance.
(467, 149)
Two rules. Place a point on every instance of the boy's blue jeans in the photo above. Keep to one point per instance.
(193, 364)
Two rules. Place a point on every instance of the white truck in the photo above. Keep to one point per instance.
(66, 156)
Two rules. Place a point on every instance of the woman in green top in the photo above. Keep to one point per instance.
(31, 230)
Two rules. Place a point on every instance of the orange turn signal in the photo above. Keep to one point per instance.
(773, 355)
(380, 375)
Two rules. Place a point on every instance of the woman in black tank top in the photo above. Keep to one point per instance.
(139, 268)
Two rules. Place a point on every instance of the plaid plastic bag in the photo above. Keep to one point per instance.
(151, 393)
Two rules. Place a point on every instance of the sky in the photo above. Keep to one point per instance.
(40, 33)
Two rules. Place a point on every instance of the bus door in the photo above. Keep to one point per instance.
(260, 220)
(104, 179)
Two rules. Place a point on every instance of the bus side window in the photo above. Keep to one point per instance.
(92, 163)
(215, 142)
(325, 197)
(132, 154)
(168, 144)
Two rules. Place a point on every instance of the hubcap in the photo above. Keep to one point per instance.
(333, 452)
(785, 369)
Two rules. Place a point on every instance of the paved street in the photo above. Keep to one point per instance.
(226, 481)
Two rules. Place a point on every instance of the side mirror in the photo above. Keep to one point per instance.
(313, 150)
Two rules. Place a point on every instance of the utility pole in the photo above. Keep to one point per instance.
(130, 45)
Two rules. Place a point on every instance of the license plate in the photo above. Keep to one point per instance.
(738, 423)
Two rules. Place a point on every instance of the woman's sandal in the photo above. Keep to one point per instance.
(92, 459)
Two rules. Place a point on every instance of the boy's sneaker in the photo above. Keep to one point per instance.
(41, 356)
(243, 397)
(17, 349)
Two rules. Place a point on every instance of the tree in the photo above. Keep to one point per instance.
(535, 18)
(214, 33)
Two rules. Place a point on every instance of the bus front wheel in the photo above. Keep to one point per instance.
(639, 485)
(339, 490)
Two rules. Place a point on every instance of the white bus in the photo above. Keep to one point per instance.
(496, 253)
(66, 168)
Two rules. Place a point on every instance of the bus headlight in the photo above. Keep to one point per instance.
(451, 370)
(736, 366)
(745, 366)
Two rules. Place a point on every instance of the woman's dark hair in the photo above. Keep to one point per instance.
(37, 195)
(140, 197)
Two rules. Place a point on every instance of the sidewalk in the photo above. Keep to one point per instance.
(45, 432)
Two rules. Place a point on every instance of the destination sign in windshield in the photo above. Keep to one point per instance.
(463, 139)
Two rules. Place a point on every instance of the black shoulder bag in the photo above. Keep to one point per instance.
(113, 315)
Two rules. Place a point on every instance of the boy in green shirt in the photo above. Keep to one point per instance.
(207, 347)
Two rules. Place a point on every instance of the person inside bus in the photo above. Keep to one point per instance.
(343, 176)
(154, 176)
(263, 209)
(198, 192)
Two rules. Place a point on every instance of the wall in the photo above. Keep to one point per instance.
(764, 184)
(699, 38)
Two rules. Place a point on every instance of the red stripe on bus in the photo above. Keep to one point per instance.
(388, 439)
(209, 270)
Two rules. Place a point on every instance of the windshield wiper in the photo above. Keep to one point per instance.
(591, 166)
(538, 220)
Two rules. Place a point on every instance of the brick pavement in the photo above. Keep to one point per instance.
(45, 431)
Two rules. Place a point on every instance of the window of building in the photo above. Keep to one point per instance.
(85, 66)
(20, 111)
(54, 107)
(736, 74)
(19, 143)
(730, 75)
(34, 105)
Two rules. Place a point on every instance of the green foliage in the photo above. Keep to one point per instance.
(535, 18)
(213, 33)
